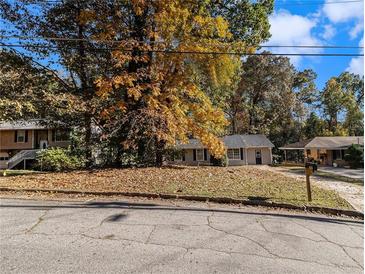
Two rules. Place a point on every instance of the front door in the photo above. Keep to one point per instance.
(258, 157)
(40, 135)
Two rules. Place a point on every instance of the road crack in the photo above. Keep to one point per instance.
(332, 242)
(40, 220)
(275, 256)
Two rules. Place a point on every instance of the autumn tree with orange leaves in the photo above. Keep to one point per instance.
(145, 69)
(152, 98)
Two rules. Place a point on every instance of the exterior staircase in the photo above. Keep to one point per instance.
(29, 154)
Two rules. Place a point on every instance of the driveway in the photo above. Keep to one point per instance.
(350, 173)
(145, 237)
(351, 192)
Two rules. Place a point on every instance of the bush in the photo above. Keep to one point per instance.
(354, 156)
(58, 159)
(223, 162)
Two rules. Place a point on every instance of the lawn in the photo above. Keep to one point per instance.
(235, 182)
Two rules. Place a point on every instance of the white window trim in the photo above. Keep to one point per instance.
(19, 135)
(234, 158)
(197, 158)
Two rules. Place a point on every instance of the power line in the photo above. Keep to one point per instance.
(195, 52)
(312, 3)
(157, 42)
(293, 3)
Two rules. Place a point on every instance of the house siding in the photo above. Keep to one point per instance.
(251, 158)
(265, 156)
(7, 141)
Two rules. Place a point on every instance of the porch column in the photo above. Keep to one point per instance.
(270, 155)
(33, 141)
(284, 155)
(246, 156)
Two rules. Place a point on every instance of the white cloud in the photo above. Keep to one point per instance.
(356, 30)
(357, 64)
(292, 30)
(345, 12)
(329, 32)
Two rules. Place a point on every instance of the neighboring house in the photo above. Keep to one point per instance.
(325, 150)
(241, 150)
(20, 140)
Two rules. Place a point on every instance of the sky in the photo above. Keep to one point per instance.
(321, 23)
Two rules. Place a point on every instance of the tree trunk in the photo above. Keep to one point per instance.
(160, 146)
(86, 93)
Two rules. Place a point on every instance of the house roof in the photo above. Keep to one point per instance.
(296, 146)
(233, 141)
(335, 142)
(22, 124)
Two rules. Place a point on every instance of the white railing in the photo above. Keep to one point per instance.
(21, 156)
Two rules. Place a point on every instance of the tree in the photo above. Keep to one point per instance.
(77, 57)
(342, 96)
(314, 126)
(29, 90)
(140, 96)
(271, 99)
(354, 155)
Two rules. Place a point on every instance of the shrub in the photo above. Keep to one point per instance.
(354, 156)
(223, 162)
(58, 159)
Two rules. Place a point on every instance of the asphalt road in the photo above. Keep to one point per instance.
(142, 237)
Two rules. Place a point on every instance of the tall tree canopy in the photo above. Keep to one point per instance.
(142, 96)
(342, 104)
(29, 90)
(271, 98)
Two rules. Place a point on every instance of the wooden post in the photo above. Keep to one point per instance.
(308, 173)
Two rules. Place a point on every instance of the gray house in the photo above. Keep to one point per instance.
(241, 150)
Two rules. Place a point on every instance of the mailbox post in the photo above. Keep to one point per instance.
(310, 167)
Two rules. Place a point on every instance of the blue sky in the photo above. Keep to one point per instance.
(313, 22)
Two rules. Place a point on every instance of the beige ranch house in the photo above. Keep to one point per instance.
(21, 140)
(241, 150)
(327, 151)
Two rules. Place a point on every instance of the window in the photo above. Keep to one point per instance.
(20, 137)
(200, 154)
(234, 154)
(62, 135)
(338, 154)
(4, 158)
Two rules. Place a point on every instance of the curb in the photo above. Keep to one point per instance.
(220, 200)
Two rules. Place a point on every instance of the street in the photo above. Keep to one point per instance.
(158, 237)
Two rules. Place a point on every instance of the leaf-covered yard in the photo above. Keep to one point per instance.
(235, 182)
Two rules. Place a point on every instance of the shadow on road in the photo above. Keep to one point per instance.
(151, 206)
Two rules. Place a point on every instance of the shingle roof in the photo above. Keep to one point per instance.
(233, 141)
(296, 145)
(335, 142)
(22, 124)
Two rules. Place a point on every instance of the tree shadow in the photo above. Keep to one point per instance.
(157, 207)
